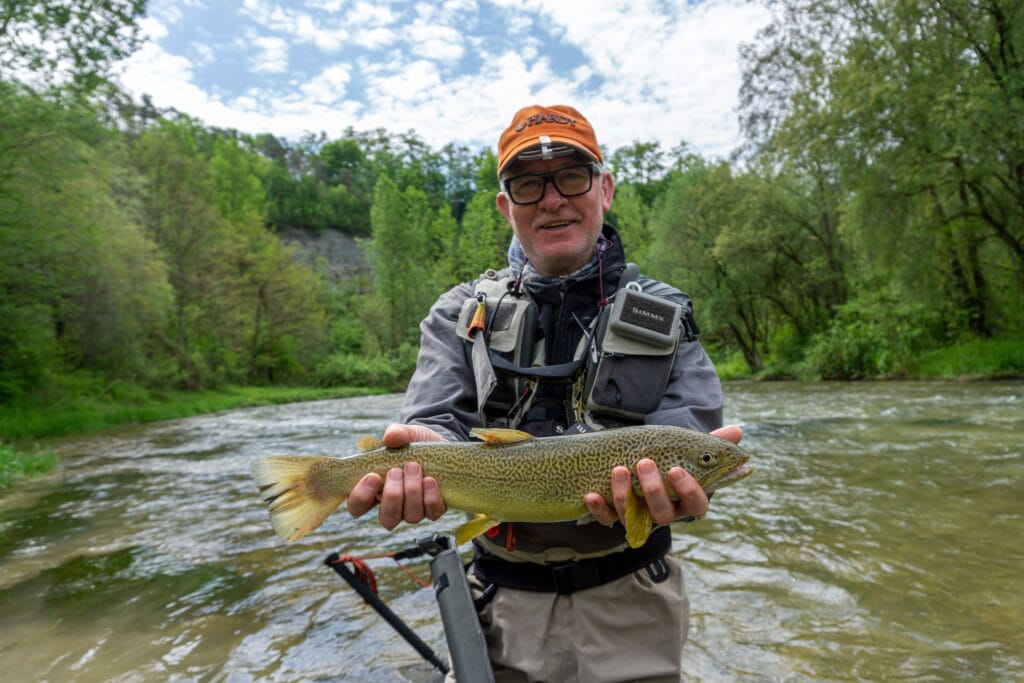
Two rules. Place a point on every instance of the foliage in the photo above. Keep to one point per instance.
(90, 403)
(73, 40)
(873, 218)
(973, 358)
(244, 310)
(404, 287)
(909, 116)
(483, 240)
(387, 371)
(80, 282)
(16, 465)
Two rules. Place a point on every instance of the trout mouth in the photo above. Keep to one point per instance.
(741, 471)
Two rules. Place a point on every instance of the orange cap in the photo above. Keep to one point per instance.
(554, 131)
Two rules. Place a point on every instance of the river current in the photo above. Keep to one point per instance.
(881, 537)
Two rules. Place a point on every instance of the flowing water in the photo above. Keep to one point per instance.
(880, 538)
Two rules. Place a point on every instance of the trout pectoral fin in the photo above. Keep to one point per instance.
(474, 527)
(499, 436)
(638, 521)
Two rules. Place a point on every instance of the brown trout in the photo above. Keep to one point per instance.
(510, 476)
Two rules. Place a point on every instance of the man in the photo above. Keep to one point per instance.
(563, 602)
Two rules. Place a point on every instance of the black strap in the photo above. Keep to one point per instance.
(565, 578)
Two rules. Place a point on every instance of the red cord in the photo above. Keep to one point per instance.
(366, 575)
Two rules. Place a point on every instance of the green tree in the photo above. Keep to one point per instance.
(403, 273)
(238, 192)
(483, 238)
(182, 217)
(80, 40)
(641, 165)
(630, 215)
(909, 115)
(709, 241)
(81, 287)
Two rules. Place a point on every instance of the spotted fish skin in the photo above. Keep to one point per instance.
(509, 476)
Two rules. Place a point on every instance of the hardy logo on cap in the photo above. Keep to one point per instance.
(545, 117)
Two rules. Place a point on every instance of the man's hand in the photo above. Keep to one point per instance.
(405, 495)
(691, 499)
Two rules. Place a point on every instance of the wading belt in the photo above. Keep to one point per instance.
(577, 575)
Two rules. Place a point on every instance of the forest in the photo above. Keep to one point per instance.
(872, 220)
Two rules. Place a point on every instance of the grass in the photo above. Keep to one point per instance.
(968, 359)
(973, 359)
(75, 413)
(15, 464)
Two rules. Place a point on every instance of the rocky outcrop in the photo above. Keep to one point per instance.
(344, 257)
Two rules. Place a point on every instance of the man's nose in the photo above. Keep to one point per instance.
(550, 197)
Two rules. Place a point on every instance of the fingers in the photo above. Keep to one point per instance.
(730, 433)
(622, 481)
(363, 497)
(599, 509)
(392, 498)
(404, 495)
(663, 509)
(412, 487)
(693, 502)
(398, 435)
(685, 499)
(433, 502)
(422, 495)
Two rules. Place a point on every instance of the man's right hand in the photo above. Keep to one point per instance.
(405, 495)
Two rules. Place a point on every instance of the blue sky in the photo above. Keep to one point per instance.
(454, 71)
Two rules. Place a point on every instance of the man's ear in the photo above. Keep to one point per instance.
(607, 191)
(505, 206)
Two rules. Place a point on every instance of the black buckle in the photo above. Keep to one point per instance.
(657, 570)
(575, 576)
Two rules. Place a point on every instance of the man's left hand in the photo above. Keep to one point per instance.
(689, 499)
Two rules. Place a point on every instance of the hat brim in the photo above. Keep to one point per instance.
(531, 150)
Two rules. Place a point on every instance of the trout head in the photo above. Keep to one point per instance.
(714, 462)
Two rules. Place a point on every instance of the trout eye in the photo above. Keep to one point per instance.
(707, 458)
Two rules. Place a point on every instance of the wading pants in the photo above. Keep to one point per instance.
(630, 629)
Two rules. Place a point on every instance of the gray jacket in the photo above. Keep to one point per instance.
(442, 392)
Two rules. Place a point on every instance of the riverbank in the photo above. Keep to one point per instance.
(967, 360)
(21, 426)
(83, 408)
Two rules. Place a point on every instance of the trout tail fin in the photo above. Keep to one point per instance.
(295, 506)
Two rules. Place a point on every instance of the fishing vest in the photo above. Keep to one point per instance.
(618, 373)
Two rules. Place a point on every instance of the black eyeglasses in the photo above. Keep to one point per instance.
(570, 181)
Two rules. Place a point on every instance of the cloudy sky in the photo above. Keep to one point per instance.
(452, 71)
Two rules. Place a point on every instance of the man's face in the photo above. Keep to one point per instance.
(557, 233)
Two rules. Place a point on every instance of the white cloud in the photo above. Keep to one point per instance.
(434, 41)
(273, 56)
(650, 71)
(329, 85)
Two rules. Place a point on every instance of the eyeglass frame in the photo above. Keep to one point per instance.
(594, 168)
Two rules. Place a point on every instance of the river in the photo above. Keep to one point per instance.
(880, 537)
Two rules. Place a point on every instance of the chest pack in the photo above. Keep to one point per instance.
(618, 374)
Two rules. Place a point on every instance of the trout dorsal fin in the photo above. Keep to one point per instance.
(368, 443)
(499, 436)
